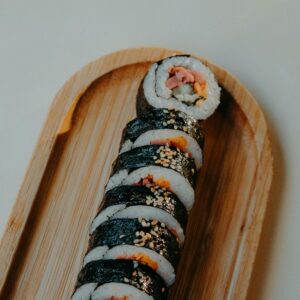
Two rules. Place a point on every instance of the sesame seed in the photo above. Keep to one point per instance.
(173, 167)
(154, 222)
(161, 252)
(136, 241)
(151, 245)
(175, 127)
(126, 279)
(163, 225)
(163, 289)
(121, 236)
(165, 124)
(141, 244)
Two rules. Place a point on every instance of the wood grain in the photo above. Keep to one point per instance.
(42, 248)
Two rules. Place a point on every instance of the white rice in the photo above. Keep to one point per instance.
(119, 290)
(84, 292)
(95, 254)
(105, 215)
(159, 96)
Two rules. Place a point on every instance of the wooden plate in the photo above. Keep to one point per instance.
(42, 248)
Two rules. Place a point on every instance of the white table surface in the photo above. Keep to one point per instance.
(43, 43)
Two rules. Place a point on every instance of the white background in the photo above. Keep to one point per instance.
(43, 43)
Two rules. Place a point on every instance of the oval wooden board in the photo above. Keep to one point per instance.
(42, 248)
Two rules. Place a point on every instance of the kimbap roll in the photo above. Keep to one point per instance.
(146, 201)
(118, 279)
(165, 127)
(146, 241)
(182, 83)
(164, 166)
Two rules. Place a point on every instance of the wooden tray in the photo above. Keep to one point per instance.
(42, 248)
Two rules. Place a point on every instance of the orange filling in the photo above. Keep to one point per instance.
(176, 141)
(161, 181)
(181, 75)
(142, 258)
(173, 230)
(118, 298)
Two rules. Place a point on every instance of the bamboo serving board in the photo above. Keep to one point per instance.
(46, 237)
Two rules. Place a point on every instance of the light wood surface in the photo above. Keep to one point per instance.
(42, 248)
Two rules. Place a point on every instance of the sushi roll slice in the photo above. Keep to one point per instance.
(162, 126)
(146, 201)
(118, 279)
(146, 241)
(164, 166)
(182, 83)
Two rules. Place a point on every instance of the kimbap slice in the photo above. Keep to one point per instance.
(125, 279)
(182, 83)
(164, 166)
(146, 201)
(165, 127)
(146, 241)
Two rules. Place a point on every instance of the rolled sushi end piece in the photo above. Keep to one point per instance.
(126, 272)
(119, 291)
(181, 83)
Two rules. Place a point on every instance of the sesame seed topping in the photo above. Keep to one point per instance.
(140, 244)
(126, 279)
